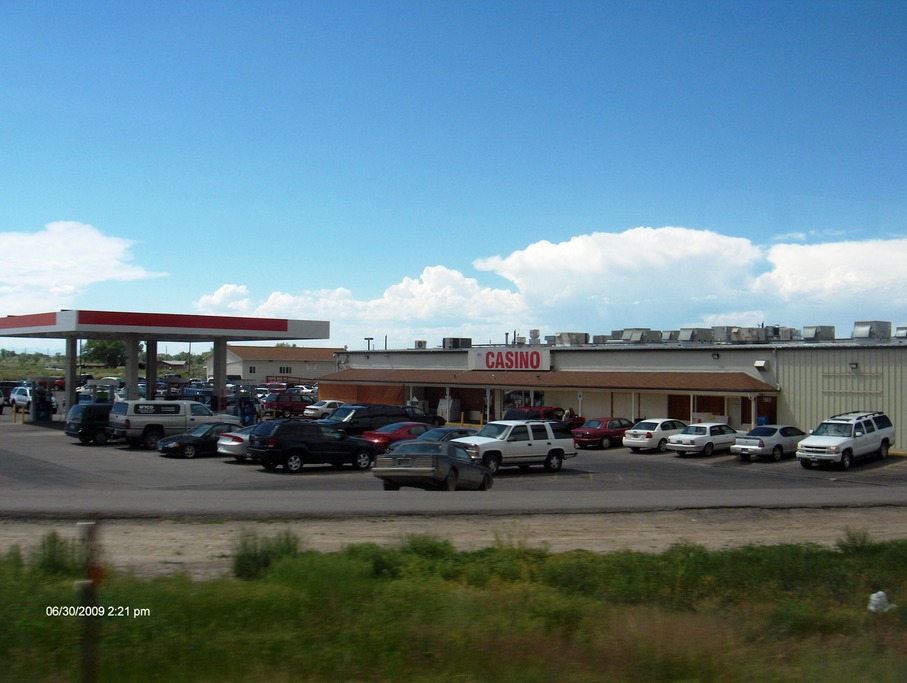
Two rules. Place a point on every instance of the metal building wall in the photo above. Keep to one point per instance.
(825, 380)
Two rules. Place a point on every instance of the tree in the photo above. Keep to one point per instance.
(111, 353)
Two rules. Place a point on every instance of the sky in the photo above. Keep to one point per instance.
(413, 170)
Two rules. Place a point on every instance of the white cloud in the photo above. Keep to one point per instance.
(839, 271)
(228, 297)
(439, 299)
(47, 270)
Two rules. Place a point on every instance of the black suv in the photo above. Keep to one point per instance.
(87, 422)
(355, 418)
(294, 443)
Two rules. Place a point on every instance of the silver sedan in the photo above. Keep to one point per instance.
(235, 443)
(768, 441)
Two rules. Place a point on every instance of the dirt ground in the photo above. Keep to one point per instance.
(204, 549)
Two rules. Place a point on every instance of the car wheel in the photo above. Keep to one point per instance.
(100, 438)
(450, 481)
(777, 452)
(293, 463)
(189, 451)
(390, 486)
(708, 449)
(487, 482)
(605, 442)
(150, 440)
(846, 460)
(554, 462)
(492, 462)
(883, 451)
(362, 460)
(662, 445)
(287, 412)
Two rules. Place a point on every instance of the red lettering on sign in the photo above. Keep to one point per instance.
(513, 360)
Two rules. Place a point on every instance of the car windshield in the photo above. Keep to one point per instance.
(694, 429)
(343, 414)
(266, 429)
(646, 425)
(833, 429)
(200, 430)
(419, 449)
(593, 424)
(492, 431)
(762, 431)
(433, 435)
(386, 429)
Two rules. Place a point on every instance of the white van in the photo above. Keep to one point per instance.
(146, 422)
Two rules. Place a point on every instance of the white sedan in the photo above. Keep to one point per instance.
(321, 409)
(768, 441)
(653, 433)
(703, 437)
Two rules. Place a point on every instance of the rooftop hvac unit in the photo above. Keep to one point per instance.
(696, 334)
(603, 338)
(901, 333)
(670, 335)
(534, 336)
(819, 333)
(871, 329)
(551, 339)
(642, 336)
(457, 342)
(572, 338)
(421, 344)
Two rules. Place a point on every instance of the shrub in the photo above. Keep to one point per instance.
(254, 555)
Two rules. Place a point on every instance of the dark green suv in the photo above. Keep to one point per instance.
(294, 443)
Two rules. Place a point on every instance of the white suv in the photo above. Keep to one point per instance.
(841, 439)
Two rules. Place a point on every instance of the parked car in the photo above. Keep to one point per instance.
(768, 441)
(396, 431)
(601, 432)
(294, 443)
(416, 414)
(285, 404)
(201, 440)
(703, 437)
(320, 409)
(235, 442)
(21, 397)
(438, 434)
(844, 438)
(432, 465)
(87, 422)
(652, 433)
(544, 413)
(355, 418)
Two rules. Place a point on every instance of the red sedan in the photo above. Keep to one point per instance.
(601, 432)
(397, 431)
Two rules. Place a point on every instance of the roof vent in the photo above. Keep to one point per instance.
(871, 329)
(819, 333)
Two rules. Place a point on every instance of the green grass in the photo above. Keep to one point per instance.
(423, 611)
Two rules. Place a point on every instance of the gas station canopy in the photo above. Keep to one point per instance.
(134, 328)
(159, 326)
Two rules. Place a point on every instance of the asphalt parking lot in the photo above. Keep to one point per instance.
(44, 472)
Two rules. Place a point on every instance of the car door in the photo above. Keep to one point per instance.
(520, 443)
(208, 445)
(790, 437)
(331, 445)
(723, 436)
(469, 472)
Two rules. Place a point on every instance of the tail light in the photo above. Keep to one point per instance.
(650, 435)
(761, 443)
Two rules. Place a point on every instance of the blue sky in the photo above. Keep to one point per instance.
(420, 170)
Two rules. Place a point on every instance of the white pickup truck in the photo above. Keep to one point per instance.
(146, 422)
(520, 443)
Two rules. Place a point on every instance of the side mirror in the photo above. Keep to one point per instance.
(858, 433)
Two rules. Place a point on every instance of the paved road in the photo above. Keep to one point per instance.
(43, 473)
